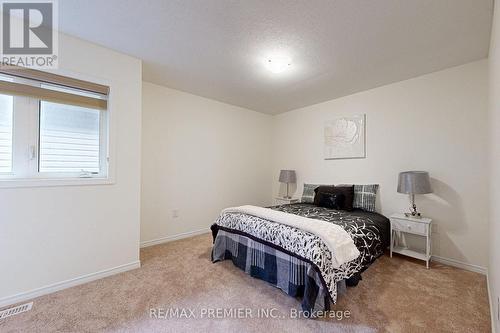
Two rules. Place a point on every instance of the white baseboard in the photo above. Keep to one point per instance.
(460, 264)
(174, 237)
(21, 297)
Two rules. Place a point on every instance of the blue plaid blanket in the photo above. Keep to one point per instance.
(294, 276)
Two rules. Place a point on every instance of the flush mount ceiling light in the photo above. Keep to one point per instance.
(278, 64)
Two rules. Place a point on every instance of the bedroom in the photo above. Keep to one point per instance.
(210, 105)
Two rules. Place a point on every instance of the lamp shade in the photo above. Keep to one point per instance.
(288, 176)
(414, 182)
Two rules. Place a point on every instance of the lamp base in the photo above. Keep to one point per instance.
(413, 210)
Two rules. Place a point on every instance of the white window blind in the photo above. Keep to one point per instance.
(69, 138)
(6, 125)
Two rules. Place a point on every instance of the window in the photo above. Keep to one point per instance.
(69, 139)
(52, 127)
(6, 108)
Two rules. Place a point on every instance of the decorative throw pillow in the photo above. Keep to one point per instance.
(322, 189)
(333, 201)
(308, 193)
(347, 191)
(365, 197)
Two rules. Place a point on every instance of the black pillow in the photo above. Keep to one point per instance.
(347, 191)
(333, 201)
(323, 189)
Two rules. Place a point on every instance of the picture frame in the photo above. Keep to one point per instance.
(345, 137)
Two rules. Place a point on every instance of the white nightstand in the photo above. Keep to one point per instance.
(400, 224)
(285, 201)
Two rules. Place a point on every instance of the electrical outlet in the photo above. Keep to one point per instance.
(175, 213)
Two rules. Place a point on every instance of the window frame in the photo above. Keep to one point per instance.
(30, 176)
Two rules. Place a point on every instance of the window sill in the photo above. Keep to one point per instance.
(51, 182)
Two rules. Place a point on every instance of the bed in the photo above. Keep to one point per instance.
(296, 261)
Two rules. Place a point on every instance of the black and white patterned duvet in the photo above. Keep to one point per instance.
(370, 232)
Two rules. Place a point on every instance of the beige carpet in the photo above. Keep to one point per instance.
(396, 295)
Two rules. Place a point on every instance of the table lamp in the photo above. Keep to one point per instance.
(414, 182)
(287, 176)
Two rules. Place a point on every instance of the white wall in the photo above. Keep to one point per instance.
(52, 234)
(494, 267)
(435, 122)
(199, 156)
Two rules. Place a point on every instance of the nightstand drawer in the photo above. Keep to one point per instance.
(409, 226)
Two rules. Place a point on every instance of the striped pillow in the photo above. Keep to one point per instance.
(308, 193)
(365, 197)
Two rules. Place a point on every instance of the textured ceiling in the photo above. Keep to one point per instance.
(216, 48)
